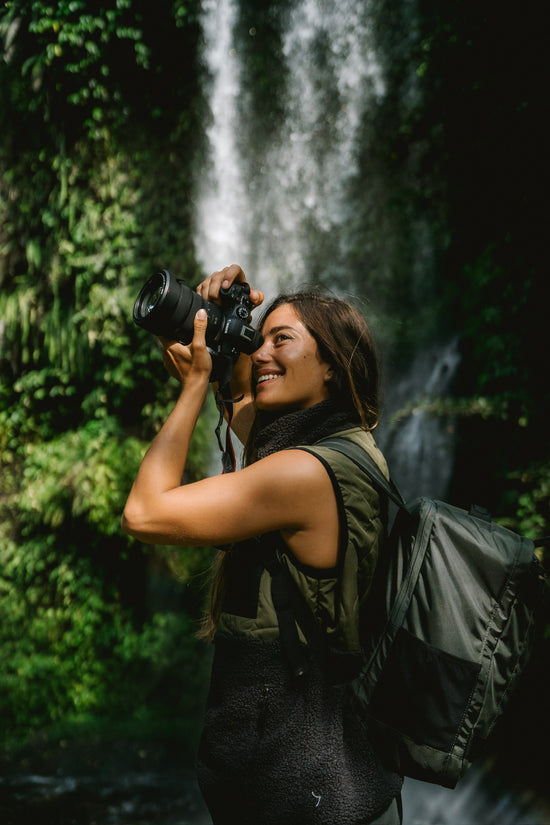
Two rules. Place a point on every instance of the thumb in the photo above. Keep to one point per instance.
(199, 326)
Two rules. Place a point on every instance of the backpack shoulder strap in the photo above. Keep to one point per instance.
(362, 459)
(291, 609)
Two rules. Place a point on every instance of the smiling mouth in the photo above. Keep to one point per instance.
(263, 378)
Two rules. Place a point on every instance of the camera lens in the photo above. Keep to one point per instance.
(150, 295)
(152, 300)
(167, 307)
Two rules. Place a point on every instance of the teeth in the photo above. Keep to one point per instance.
(263, 378)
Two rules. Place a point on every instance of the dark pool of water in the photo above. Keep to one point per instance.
(135, 798)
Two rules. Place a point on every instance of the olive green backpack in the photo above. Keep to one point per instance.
(452, 620)
(452, 617)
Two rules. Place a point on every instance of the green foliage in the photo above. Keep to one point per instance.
(81, 474)
(533, 502)
(87, 473)
(70, 649)
(502, 295)
(96, 159)
(97, 66)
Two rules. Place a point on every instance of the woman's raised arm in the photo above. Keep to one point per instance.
(288, 491)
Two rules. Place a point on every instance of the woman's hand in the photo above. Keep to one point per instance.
(243, 410)
(188, 362)
(209, 289)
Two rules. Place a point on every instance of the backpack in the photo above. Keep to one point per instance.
(451, 621)
(452, 618)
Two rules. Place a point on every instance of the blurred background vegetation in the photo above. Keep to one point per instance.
(100, 109)
(102, 114)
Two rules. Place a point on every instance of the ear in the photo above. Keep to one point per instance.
(329, 375)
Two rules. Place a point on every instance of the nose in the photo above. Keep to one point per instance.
(260, 355)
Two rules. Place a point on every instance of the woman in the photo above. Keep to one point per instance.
(277, 747)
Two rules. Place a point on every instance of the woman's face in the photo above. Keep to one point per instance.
(288, 370)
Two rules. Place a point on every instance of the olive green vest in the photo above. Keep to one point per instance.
(335, 596)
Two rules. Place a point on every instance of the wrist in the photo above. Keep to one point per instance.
(196, 384)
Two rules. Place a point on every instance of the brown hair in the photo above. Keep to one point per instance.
(345, 343)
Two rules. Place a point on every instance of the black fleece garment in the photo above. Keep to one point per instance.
(276, 751)
(280, 752)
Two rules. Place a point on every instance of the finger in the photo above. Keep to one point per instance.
(204, 290)
(166, 342)
(233, 273)
(173, 350)
(199, 328)
(256, 297)
(169, 360)
(209, 289)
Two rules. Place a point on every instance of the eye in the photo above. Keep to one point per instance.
(282, 336)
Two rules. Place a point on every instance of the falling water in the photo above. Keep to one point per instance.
(302, 199)
(221, 209)
(419, 446)
(269, 217)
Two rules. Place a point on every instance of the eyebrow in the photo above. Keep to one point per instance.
(275, 330)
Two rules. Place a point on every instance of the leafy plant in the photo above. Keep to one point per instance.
(96, 162)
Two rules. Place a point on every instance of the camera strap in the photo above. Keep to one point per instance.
(225, 406)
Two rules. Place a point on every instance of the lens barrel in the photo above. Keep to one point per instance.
(167, 307)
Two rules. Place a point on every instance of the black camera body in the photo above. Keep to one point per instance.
(166, 306)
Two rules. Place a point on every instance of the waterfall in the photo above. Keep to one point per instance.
(221, 200)
(418, 445)
(480, 797)
(303, 200)
(269, 217)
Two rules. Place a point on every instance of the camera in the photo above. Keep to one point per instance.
(166, 306)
